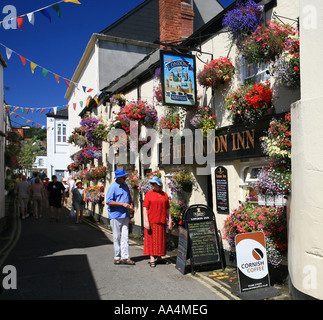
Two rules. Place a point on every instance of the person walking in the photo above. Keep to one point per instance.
(22, 191)
(55, 191)
(67, 193)
(36, 191)
(119, 203)
(78, 200)
(156, 213)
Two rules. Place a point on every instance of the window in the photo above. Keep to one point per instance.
(248, 180)
(61, 133)
(255, 73)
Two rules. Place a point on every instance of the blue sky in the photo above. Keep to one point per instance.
(57, 46)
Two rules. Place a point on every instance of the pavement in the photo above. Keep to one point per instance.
(68, 261)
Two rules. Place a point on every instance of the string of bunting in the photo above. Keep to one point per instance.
(45, 71)
(30, 122)
(43, 11)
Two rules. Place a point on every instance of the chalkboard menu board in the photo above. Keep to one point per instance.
(182, 250)
(204, 244)
(221, 187)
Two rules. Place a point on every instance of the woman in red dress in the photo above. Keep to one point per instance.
(156, 213)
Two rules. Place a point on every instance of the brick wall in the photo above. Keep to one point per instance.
(176, 20)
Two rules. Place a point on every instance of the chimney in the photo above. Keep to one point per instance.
(176, 20)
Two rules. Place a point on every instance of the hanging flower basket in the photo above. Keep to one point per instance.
(277, 144)
(95, 194)
(182, 180)
(247, 104)
(170, 121)
(243, 20)
(137, 111)
(204, 119)
(216, 73)
(266, 43)
(287, 66)
(95, 130)
(118, 99)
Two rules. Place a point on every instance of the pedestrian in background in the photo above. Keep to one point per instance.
(78, 200)
(156, 213)
(119, 203)
(22, 190)
(36, 191)
(56, 192)
(67, 193)
(45, 184)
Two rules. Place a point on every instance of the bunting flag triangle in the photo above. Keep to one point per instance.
(27, 110)
(56, 77)
(84, 89)
(33, 66)
(73, 1)
(37, 125)
(8, 52)
(67, 82)
(81, 104)
(31, 18)
(57, 8)
(15, 109)
(23, 60)
(42, 110)
(90, 90)
(32, 110)
(11, 113)
(22, 110)
(96, 99)
(20, 21)
(74, 106)
(55, 110)
(17, 115)
(28, 121)
(45, 72)
(46, 14)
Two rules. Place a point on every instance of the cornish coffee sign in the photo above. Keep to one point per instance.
(178, 79)
(252, 261)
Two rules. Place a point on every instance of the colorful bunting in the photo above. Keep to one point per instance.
(67, 82)
(20, 21)
(31, 18)
(44, 11)
(57, 8)
(46, 14)
(8, 53)
(73, 1)
(33, 66)
(45, 71)
(23, 60)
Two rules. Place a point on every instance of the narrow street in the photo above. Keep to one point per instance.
(68, 261)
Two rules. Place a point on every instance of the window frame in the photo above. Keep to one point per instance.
(61, 137)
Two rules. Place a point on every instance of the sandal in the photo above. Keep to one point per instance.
(117, 261)
(152, 264)
(128, 261)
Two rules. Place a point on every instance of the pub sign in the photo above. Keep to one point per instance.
(178, 78)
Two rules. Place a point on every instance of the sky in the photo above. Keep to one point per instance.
(56, 46)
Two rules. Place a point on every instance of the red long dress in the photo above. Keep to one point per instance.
(157, 204)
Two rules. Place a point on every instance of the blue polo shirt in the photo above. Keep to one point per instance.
(118, 193)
